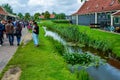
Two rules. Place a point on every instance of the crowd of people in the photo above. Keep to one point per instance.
(14, 29)
(11, 29)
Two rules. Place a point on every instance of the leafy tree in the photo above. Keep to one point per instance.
(20, 15)
(43, 13)
(60, 16)
(36, 16)
(47, 15)
(8, 8)
(27, 16)
(54, 13)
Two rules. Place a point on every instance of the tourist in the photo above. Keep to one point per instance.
(35, 33)
(10, 32)
(18, 34)
(3, 22)
(1, 33)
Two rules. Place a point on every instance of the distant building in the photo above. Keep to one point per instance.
(5, 15)
(52, 16)
(98, 11)
(68, 17)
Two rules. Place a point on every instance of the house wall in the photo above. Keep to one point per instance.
(73, 19)
(86, 19)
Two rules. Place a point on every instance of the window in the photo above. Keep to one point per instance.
(116, 20)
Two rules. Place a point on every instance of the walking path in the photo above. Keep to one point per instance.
(7, 51)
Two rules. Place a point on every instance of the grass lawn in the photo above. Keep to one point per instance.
(42, 63)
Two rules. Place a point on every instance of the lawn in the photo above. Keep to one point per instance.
(40, 63)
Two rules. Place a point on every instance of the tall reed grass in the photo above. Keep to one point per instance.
(72, 34)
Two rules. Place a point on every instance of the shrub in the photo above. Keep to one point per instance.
(61, 21)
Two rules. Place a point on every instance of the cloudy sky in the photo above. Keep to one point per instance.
(33, 6)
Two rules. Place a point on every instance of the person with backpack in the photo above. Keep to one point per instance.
(35, 33)
(18, 32)
(10, 32)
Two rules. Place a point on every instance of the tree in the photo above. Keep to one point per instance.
(20, 15)
(43, 13)
(36, 16)
(54, 13)
(47, 15)
(60, 16)
(27, 16)
(8, 8)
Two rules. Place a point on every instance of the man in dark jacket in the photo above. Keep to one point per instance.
(1, 34)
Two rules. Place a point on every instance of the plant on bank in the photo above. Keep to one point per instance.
(72, 34)
(83, 75)
(61, 21)
(83, 59)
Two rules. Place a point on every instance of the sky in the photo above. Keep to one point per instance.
(33, 6)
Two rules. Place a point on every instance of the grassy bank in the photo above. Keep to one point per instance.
(91, 37)
(42, 63)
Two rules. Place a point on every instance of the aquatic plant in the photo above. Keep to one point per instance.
(72, 34)
(83, 75)
(83, 59)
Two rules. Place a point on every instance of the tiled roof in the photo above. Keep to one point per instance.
(51, 16)
(2, 11)
(92, 6)
(42, 17)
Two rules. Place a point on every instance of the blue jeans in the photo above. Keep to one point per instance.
(1, 39)
(11, 38)
(35, 38)
(18, 39)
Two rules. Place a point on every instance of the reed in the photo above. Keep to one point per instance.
(72, 34)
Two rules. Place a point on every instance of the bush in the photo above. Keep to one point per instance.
(61, 21)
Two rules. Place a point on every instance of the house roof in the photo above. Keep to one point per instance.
(93, 6)
(116, 13)
(2, 11)
(42, 17)
(51, 16)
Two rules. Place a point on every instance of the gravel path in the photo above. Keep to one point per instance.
(7, 51)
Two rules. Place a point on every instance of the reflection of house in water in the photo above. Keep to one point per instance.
(101, 12)
(5, 15)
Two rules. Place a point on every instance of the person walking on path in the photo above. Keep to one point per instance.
(35, 33)
(3, 23)
(1, 33)
(18, 34)
(10, 32)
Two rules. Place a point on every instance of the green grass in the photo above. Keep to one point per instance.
(42, 63)
(113, 39)
(93, 37)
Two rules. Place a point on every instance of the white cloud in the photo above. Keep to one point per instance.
(40, 2)
(33, 6)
